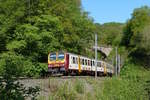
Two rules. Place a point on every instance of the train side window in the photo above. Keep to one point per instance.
(82, 61)
(76, 60)
(100, 64)
(73, 60)
(85, 62)
(91, 62)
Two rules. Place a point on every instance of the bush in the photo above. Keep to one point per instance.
(12, 67)
(11, 64)
(34, 70)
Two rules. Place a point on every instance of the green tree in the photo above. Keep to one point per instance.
(33, 28)
(110, 33)
(136, 35)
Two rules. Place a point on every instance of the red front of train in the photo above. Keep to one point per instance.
(58, 62)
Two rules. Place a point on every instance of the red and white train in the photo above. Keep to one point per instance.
(68, 63)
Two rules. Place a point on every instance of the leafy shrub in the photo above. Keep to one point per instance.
(13, 64)
(35, 70)
(12, 67)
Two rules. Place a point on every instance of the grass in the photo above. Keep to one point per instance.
(53, 85)
(133, 84)
(80, 86)
(71, 89)
(130, 86)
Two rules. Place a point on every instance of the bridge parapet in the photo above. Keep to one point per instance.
(104, 50)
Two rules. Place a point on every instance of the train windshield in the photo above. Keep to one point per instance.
(60, 56)
(53, 56)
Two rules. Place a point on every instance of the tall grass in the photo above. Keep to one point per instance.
(133, 84)
(130, 86)
(73, 89)
(53, 85)
(80, 86)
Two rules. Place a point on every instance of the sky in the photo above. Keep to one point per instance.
(103, 11)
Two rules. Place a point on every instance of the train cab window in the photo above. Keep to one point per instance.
(73, 60)
(60, 56)
(85, 62)
(82, 61)
(53, 56)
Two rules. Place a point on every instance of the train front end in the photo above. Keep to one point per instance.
(56, 62)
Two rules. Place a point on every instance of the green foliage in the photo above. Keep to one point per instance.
(136, 35)
(110, 33)
(139, 20)
(11, 67)
(130, 86)
(118, 89)
(10, 64)
(35, 70)
(34, 28)
(30, 29)
(20, 66)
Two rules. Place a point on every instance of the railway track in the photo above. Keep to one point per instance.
(60, 77)
(57, 76)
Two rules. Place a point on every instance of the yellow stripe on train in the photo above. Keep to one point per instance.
(79, 65)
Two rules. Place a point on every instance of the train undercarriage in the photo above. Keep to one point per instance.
(61, 71)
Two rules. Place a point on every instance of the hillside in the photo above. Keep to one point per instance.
(30, 29)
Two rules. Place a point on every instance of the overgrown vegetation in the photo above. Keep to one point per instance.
(131, 85)
(10, 88)
(136, 36)
(30, 29)
(110, 34)
(73, 89)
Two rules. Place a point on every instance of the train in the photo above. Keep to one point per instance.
(73, 64)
